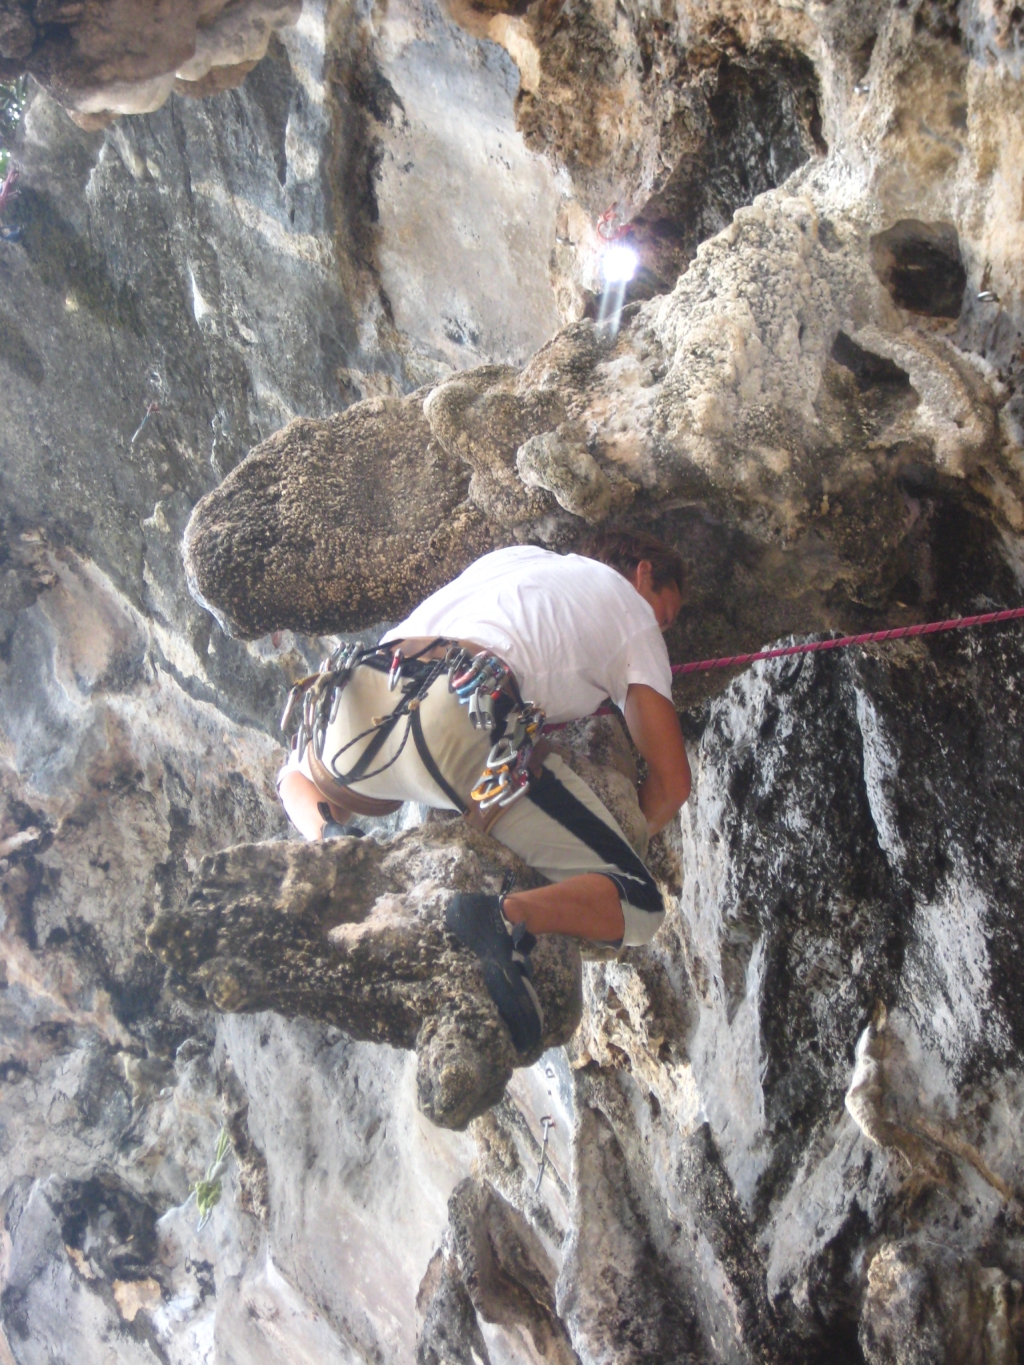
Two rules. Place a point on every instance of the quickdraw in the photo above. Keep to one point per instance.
(482, 682)
(320, 694)
(506, 775)
(478, 680)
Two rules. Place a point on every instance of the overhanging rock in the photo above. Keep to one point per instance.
(350, 933)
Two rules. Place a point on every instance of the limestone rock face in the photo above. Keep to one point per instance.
(351, 933)
(395, 530)
(825, 393)
(104, 58)
(789, 1129)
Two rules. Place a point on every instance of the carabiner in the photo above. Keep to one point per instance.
(339, 687)
(489, 783)
(395, 671)
(480, 677)
(504, 751)
(481, 710)
(520, 790)
(494, 799)
(456, 666)
(293, 696)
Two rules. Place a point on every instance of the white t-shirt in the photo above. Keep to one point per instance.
(573, 630)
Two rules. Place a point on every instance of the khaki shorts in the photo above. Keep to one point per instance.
(560, 828)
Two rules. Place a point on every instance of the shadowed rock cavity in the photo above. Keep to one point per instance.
(753, 121)
(920, 265)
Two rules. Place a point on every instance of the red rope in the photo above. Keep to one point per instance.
(988, 618)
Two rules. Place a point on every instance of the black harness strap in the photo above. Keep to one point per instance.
(427, 757)
(422, 673)
(372, 749)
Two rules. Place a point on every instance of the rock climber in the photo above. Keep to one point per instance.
(448, 710)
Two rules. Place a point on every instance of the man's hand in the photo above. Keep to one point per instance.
(654, 726)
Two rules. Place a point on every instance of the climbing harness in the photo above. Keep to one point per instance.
(320, 695)
(483, 683)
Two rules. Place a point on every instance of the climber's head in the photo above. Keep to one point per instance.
(653, 568)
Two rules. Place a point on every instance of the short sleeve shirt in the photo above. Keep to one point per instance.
(573, 630)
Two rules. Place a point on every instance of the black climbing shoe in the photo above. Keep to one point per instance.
(477, 922)
(332, 830)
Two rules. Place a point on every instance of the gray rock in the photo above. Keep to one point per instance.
(928, 1304)
(351, 933)
(789, 1129)
(398, 527)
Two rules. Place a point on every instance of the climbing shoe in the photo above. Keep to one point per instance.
(332, 830)
(477, 922)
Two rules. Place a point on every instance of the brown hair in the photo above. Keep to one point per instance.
(624, 550)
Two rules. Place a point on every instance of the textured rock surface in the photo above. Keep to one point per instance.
(816, 447)
(352, 934)
(104, 58)
(787, 1130)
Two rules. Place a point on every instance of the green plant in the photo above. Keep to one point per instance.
(208, 1190)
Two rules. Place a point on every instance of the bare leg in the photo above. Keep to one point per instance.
(302, 803)
(587, 906)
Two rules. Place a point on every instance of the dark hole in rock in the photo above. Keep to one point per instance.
(764, 122)
(110, 1224)
(907, 590)
(940, 19)
(870, 370)
(918, 479)
(920, 265)
(862, 57)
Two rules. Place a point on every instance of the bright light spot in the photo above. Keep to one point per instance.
(618, 264)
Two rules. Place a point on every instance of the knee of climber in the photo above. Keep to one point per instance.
(642, 924)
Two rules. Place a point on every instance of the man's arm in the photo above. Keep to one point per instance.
(654, 726)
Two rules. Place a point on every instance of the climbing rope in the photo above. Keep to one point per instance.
(987, 618)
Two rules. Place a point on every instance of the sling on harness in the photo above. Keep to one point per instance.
(482, 682)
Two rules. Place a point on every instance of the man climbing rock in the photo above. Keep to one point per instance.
(448, 710)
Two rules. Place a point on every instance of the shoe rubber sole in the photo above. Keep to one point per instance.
(475, 919)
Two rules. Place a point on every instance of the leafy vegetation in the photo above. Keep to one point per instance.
(209, 1190)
